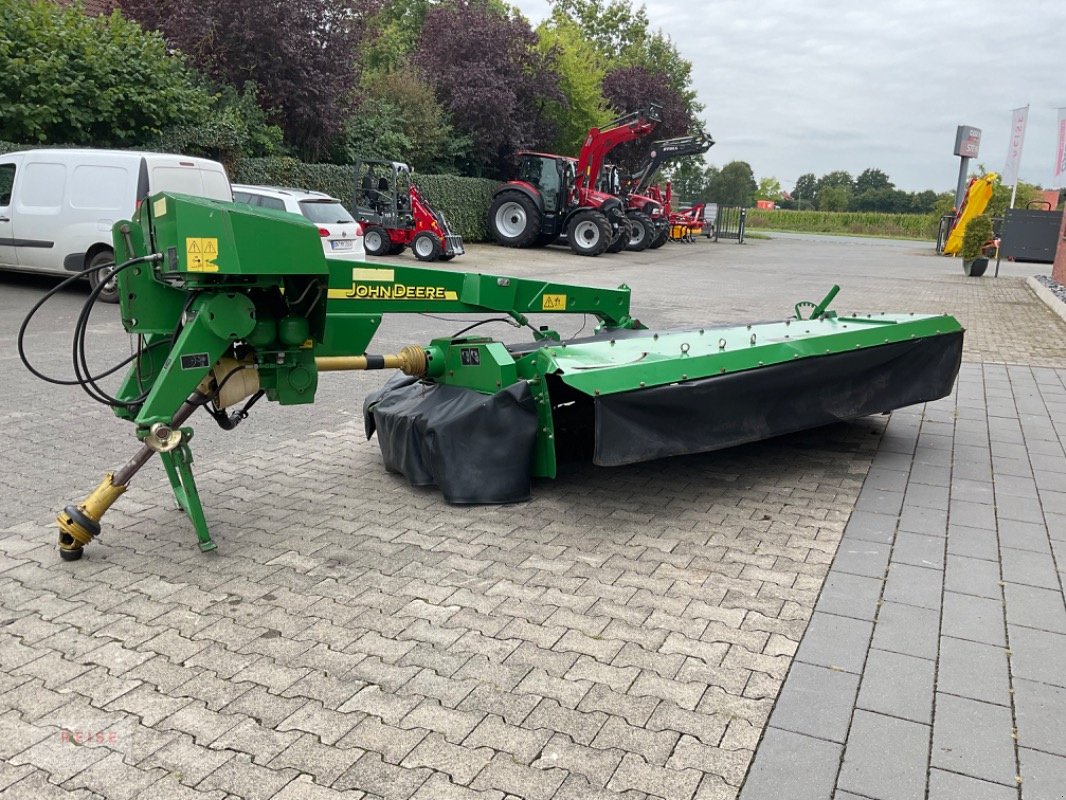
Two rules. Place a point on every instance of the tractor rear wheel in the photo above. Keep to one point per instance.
(376, 241)
(641, 231)
(619, 242)
(589, 233)
(426, 246)
(514, 220)
(661, 236)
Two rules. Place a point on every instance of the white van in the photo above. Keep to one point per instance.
(57, 206)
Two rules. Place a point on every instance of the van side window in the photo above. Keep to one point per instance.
(98, 187)
(7, 180)
(272, 202)
(42, 187)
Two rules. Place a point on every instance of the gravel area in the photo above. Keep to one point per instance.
(1056, 288)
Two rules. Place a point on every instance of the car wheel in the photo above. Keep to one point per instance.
(109, 294)
(426, 246)
(376, 241)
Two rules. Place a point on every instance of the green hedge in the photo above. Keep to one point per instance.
(465, 201)
(865, 223)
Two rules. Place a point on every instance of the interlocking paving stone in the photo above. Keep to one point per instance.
(974, 670)
(978, 619)
(697, 571)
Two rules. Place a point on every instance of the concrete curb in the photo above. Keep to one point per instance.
(1048, 298)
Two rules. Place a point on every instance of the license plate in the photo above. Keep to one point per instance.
(341, 244)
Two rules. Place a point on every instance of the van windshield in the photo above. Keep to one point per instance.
(325, 211)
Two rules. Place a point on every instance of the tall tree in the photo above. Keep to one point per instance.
(735, 185)
(490, 77)
(302, 55)
(834, 191)
(622, 34)
(806, 190)
(871, 180)
(69, 78)
(633, 88)
(581, 70)
(769, 189)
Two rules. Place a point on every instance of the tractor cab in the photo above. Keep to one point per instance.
(394, 214)
(552, 177)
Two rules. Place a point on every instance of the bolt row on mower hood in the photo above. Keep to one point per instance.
(233, 302)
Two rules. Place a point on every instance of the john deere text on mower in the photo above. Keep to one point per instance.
(231, 303)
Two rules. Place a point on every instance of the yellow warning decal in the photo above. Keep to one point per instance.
(379, 275)
(553, 302)
(200, 254)
(395, 291)
(159, 207)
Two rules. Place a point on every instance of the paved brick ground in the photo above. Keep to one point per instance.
(625, 634)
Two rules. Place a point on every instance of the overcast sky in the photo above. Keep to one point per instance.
(796, 86)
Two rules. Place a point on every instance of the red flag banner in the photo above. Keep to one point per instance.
(1060, 159)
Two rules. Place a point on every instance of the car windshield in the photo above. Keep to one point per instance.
(325, 211)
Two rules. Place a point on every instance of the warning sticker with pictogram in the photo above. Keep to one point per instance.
(200, 254)
(553, 302)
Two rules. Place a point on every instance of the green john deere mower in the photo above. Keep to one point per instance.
(230, 304)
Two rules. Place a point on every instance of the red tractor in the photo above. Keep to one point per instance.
(644, 197)
(394, 214)
(552, 196)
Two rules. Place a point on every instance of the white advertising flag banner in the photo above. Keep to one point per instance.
(1017, 140)
(1060, 158)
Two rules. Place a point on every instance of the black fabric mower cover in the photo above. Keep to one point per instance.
(723, 411)
(477, 448)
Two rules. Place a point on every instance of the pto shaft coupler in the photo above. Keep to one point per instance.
(80, 524)
(411, 360)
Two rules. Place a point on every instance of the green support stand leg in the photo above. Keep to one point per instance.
(178, 464)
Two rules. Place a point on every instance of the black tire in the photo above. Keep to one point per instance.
(975, 268)
(396, 248)
(661, 237)
(109, 294)
(619, 242)
(447, 257)
(514, 220)
(426, 246)
(589, 232)
(545, 239)
(376, 241)
(642, 231)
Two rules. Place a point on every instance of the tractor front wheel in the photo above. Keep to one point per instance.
(376, 241)
(641, 231)
(514, 220)
(589, 233)
(426, 246)
(661, 236)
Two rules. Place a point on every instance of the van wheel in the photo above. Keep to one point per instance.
(109, 294)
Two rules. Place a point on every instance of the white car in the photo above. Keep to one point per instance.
(342, 236)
